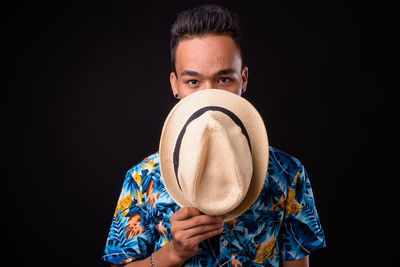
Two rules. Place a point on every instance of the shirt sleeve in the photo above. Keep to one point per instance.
(130, 237)
(301, 231)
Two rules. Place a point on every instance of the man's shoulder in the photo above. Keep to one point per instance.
(280, 161)
(146, 165)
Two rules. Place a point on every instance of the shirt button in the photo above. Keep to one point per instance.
(225, 243)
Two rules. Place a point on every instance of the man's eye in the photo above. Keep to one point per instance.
(193, 82)
(225, 80)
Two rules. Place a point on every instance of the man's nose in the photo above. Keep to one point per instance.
(208, 85)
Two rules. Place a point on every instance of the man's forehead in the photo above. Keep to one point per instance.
(208, 54)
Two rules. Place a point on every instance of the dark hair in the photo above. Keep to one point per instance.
(204, 19)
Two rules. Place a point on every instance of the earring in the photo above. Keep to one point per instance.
(243, 90)
(176, 96)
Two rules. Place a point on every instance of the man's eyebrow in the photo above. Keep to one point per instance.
(218, 73)
(189, 73)
(225, 71)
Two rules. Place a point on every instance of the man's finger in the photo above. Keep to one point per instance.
(200, 220)
(202, 237)
(185, 213)
(204, 229)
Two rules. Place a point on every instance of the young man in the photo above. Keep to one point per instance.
(149, 229)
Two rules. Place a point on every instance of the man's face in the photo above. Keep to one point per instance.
(208, 62)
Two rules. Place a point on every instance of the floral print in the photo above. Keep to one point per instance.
(281, 225)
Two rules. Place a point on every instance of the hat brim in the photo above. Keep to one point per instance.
(251, 120)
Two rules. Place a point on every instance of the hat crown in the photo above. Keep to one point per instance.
(218, 164)
(181, 154)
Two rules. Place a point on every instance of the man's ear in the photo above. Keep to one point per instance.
(174, 83)
(245, 77)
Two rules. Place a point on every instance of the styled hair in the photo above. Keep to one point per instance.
(201, 20)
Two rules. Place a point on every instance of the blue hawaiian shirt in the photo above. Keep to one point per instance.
(281, 225)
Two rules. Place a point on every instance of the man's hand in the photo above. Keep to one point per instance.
(189, 227)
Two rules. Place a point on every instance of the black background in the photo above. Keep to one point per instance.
(85, 91)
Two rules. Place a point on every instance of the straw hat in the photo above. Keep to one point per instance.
(214, 153)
